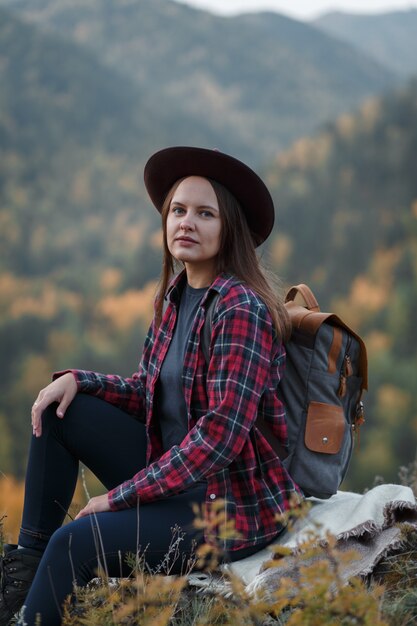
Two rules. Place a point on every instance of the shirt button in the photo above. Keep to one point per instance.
(212, 496)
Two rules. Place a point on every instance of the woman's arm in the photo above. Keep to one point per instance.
(128, 394)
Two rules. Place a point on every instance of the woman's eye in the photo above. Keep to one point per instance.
(177, 210)
(206, 213)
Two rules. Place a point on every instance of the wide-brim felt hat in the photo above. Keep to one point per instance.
(167, 166)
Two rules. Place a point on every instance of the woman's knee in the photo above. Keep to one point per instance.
(82, 407)
(75, 415)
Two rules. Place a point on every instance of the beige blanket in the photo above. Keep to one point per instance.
(368, 523)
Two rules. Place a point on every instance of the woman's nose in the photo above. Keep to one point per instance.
(187, 223)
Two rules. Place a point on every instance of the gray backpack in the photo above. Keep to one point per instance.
(325, 376)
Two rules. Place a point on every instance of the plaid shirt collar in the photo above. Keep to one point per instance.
(221, 284)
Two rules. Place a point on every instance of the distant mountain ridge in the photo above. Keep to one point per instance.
(391, 38)
(249, 84)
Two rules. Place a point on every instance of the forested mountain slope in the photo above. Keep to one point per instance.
(255, 82)
(70, 135)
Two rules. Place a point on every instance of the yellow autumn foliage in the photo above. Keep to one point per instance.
(11, 506)
(20, 297)
(110, 279)
(156, 240)
(378, 342)
(12, 495)
(367, 295)
(383, 264)
(305, 153)
(45, 305)
(126, 309)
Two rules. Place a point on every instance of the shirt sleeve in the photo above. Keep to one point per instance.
(237, 375)
(128, 394)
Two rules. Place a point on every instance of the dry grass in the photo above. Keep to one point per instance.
(318, 597)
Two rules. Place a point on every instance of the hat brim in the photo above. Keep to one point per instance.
(167, 166)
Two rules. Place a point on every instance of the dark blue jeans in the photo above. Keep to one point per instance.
(113, 445)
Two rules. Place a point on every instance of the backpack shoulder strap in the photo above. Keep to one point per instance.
(206, 331)
(305, 292)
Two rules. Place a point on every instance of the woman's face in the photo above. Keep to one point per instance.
(193, 226)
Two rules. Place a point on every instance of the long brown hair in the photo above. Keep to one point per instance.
(237, 256)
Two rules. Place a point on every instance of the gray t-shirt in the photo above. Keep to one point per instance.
(170, 409)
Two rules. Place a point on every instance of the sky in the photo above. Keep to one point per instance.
(302, 9)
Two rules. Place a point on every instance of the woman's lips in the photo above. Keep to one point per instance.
(186, 241)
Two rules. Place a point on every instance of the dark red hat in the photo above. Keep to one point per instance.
(167, 166)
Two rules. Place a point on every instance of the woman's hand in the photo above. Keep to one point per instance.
(98, 504)
(61, 390)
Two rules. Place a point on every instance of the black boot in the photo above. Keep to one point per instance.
(17, 570)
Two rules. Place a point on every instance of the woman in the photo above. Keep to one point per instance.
(182, 429)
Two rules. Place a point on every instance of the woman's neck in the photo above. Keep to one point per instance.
(198, 277)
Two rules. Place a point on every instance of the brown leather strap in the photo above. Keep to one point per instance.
(307, 295)
(310, 322)
(335, 349)
(300, 317)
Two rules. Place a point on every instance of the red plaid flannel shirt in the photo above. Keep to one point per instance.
(223, 399)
